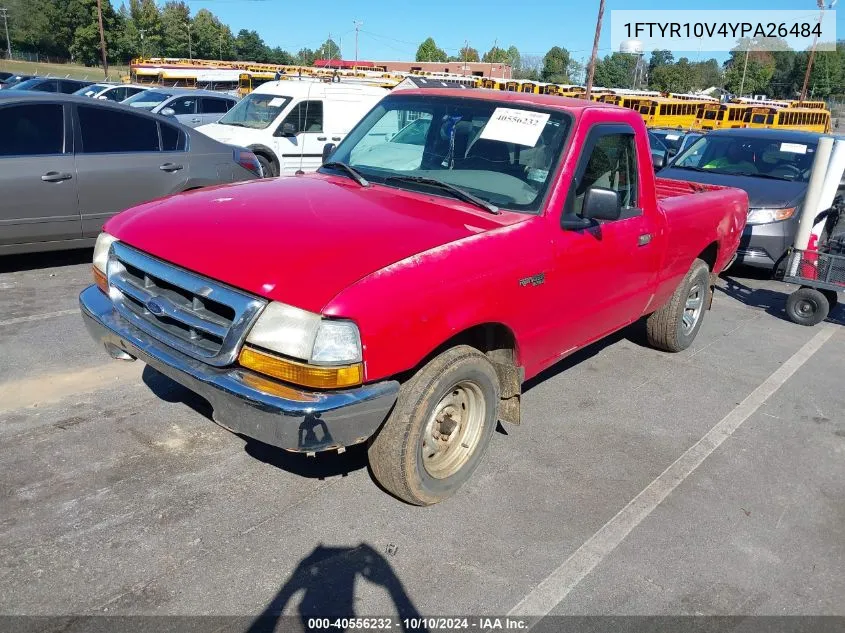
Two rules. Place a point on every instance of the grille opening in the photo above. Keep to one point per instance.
(204, 340)
(180, 296)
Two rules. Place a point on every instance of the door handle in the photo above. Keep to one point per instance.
(321, 138)
(644, 239)
(170, 167)
(55, 176)
(196, 120)
(335, 138)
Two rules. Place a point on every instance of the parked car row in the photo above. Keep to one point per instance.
(68, 163)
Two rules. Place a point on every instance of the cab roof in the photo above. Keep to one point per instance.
(516, 98)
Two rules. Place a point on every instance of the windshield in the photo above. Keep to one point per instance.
(90, 91)
(27, 84)
(672, 139)
(750, 156)
(505, 156)
(255, 111)
(148, 99)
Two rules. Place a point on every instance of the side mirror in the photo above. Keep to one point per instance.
(168, 112)
(658, 160)
(287, 129)
(601, 204)
(328, 150)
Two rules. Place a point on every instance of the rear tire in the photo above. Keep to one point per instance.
(267, 169)
(674, 327)
(807, 306)
(439, 429)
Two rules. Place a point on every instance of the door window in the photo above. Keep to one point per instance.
(47, 86)
(307, 116)
(32, 130)
(612, 165)
(172, 138)
(109, 130)
(209, 105)
(183, 105)
(68, 87)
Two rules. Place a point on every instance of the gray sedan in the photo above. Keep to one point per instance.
(68, 163)
(190, 107)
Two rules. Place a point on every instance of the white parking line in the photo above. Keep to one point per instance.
(39, 317)
(551, 591)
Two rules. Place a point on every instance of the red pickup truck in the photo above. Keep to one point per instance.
(455, 244)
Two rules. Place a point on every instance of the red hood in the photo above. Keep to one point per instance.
(299, 240)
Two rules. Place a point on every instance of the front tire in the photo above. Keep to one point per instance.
(439, 429)
(674, 327)
(807, 306)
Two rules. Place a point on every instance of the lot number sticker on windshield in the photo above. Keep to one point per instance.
(795, 148)
(276, 101)
(522, 127)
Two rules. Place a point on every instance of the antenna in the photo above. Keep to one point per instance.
(299, 171)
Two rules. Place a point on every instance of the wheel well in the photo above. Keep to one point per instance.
(267, 153)
(709, 255)
(498, 342)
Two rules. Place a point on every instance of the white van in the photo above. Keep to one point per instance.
(287, 123)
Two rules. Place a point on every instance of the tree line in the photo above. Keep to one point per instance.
(775, 73)
(68, 29)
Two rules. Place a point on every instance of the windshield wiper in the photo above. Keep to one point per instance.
(455, 191)
(692, 168)
(351, 171)
(759, 175)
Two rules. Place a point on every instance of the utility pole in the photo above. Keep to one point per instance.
(466, 49)
(820, 4)
(591, 71)
(220, 43)
(190, 51)
(143, 49)
(4, 13)
(102, 38)
(493, 53)
(358, 25)
(744, 68)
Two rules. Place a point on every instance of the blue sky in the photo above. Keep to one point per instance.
(394, 30)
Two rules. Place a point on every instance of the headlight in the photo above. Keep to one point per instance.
(767, 216)
(101, 251)
(101, 257)
(306, 336)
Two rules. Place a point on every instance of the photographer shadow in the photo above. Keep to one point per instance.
(326, 578)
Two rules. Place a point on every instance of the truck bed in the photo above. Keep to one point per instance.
(667, 188)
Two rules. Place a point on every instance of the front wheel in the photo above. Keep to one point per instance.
(674, 326)
(438, 431)
(267, 170)
(807, 306)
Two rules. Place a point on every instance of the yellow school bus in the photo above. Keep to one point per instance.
(492, 84)
(663, 112)
(716, 116)
(530, 86)
(809, 119)
(814, 105)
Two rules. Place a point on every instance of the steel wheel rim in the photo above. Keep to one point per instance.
(692, 309)
(453, 430)
(806, 307)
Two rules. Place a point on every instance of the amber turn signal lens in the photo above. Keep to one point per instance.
(100, 279)
(300, 373)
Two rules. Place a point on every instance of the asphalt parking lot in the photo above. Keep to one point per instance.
(640, 483)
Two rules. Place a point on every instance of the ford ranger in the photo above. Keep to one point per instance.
(402, 294)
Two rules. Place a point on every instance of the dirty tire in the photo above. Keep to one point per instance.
(667, 328)
(396, 455)
(267, 169)
(807, 306)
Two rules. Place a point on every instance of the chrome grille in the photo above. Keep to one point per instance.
(194, 314)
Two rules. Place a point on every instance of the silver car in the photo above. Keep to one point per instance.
(190, 107)
(69, 163)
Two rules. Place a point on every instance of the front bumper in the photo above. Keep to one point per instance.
(246, 402)
(762, 245)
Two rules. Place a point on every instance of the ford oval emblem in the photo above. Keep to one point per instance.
(155, 307)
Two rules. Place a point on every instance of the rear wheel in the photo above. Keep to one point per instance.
(267, 169)
(438, 431)
(807, 306)
(674, 326)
